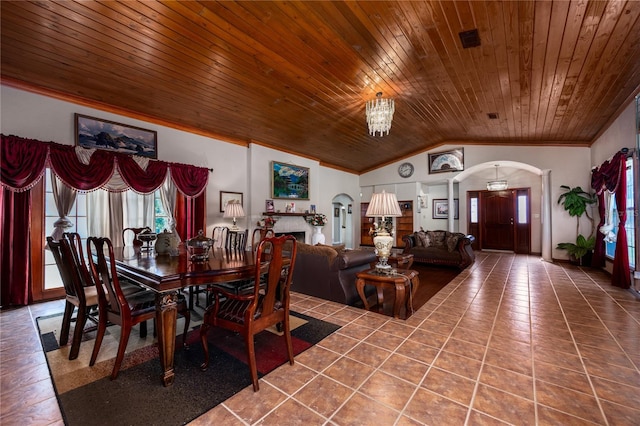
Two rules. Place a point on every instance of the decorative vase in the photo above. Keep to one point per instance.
(317, 237)
(167, 243)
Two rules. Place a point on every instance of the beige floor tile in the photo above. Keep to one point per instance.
(563, 351)
(361, 410)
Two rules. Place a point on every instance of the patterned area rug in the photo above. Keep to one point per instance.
(137, 397)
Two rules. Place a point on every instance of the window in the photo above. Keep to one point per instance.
(629, 225)
(77, 215)
(135, 207)
(522, 209)
(473, 209)
(161, 219)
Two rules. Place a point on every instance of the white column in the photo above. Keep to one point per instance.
(452, 210)
(546, 215)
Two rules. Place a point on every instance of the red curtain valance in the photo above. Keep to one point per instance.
(24, 162)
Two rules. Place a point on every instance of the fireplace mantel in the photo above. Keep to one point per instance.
(285, 214)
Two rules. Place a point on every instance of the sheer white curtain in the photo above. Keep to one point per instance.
(108, 213)
(63, 197)
(168, 195)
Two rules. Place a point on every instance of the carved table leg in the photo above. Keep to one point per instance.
(166, 317)
(400, 297)
(360, 288)
(380, 291)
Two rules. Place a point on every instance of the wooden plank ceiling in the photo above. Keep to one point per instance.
(295, 75)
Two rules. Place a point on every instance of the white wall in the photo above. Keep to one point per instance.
(569, 166)
(620, 134)
(236, 168)
(246, 169)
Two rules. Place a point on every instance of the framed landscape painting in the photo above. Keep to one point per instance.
(94, 132)
(225, 197)
(289, 181)
(441, 208)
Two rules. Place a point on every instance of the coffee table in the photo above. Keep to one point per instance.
(401, 260)
(399, 281)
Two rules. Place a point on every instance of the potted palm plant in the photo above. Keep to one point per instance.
(576, 202)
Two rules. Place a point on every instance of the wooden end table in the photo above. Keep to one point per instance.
(401, 260)
(399, 282)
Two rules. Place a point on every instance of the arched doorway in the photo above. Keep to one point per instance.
(342, 212)
(520, 176)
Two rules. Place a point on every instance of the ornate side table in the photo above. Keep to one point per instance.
(404, 282)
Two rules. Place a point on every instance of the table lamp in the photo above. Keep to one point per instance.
(234, 210)
(383, 205)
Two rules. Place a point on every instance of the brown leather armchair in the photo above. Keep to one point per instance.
(330, 274)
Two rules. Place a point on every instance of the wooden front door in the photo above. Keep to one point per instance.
(497, 213)
(501, 220)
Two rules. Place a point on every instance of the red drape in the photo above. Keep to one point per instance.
(611, 176)
(599, 251)
(143, 181)
(83, 177)
(190, 215)
(15, 288)
(24, 162)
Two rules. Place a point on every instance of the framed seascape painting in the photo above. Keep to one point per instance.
(225, 197)
(441, 208)
(447, 161)
(94, 132)
(289, 181)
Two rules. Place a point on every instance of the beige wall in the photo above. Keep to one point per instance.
(235, 168)
(246, 169)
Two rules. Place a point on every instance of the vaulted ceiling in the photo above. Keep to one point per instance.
(295, 75)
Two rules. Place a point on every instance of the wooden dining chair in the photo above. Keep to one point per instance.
(222, 237)
(258, 235)
(236, 240)
(265, 306)
(78, 296)
(131, 234)
(115, 307)
(219, 236)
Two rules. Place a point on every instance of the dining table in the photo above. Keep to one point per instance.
(166, 275)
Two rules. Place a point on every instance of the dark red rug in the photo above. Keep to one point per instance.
(137, 397)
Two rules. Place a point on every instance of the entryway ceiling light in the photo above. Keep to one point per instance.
(497, 184)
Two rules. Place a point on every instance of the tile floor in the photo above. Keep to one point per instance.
(511, 340)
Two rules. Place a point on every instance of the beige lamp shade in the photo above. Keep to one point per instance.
(233, 210)
(383, 205)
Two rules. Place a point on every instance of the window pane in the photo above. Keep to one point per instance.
(522, 209)
(610, 247)
(473, 209)
(52, 277)
(81, 204)
(50, 205)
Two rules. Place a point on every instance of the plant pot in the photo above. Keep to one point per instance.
(584, 261)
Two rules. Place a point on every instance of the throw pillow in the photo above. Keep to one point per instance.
(452, 242)
(419, 238)
(437, 239)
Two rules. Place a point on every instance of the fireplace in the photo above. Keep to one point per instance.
(298, 235)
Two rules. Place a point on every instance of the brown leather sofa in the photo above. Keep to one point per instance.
(440, 248)
(330, 274)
